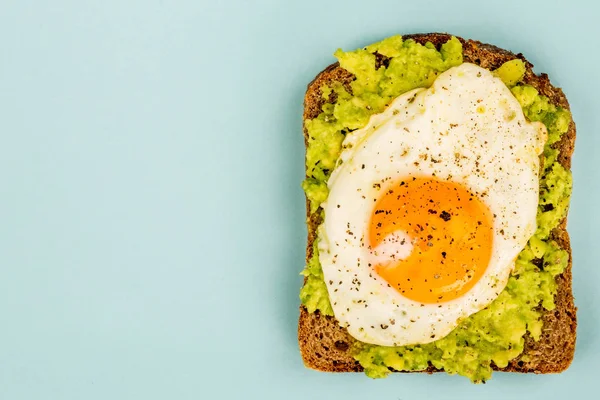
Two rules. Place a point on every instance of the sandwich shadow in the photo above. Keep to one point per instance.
(288, 283)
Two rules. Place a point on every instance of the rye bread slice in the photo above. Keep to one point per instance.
(325, 345)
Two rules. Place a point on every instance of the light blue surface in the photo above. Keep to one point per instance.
(152, 221)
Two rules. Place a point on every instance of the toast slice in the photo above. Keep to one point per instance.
(325, 345)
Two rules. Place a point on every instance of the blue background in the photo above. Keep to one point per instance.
(151, 216)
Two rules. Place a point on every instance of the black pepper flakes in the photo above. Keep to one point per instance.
(445, 216)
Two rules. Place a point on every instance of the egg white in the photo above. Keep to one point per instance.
(473, 132)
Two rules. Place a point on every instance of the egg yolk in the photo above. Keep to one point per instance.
(450, 231)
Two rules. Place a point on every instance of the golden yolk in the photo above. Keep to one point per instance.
(451, 235)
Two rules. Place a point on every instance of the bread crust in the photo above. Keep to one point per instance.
(325, 345)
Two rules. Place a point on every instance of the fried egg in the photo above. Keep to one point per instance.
(428, 207)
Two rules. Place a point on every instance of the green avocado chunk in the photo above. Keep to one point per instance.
(496, 333)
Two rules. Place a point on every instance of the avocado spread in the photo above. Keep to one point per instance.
(496, 333)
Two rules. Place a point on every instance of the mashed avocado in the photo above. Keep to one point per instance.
(495, 334)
